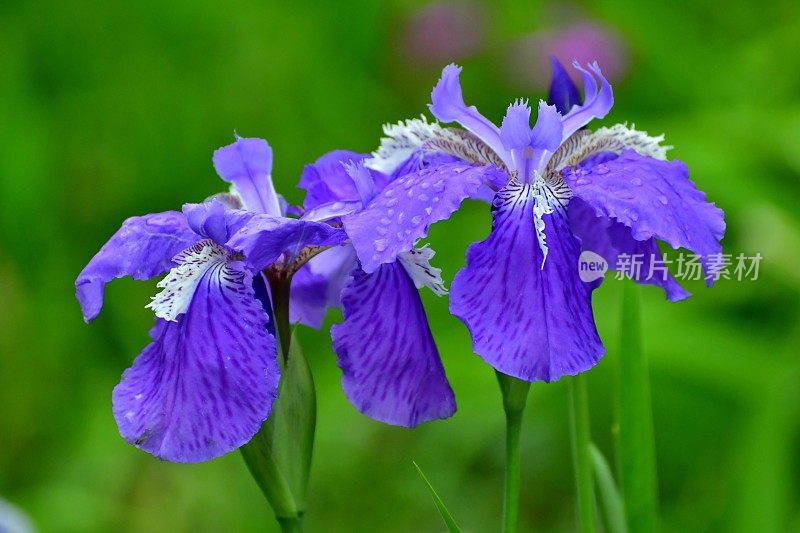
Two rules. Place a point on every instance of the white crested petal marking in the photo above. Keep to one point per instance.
(417, 263)
(616, 139)
(400, 142)
(179, 284)
(404, 139)
(542, 206)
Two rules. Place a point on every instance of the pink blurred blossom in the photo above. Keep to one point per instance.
(443, 32)
(528, 61)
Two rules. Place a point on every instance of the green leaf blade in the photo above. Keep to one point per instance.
(636, 457)
(449, 521)
(612, 511)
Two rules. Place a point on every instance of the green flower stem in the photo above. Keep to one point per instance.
(279, 455)
(280, 293)
(515, 395)
(635, 440)
(581, 451)
(291, 525)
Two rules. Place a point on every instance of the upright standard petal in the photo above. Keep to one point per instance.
(206, 383)
(403, 211)
(326, 180)
(142, 248)
(447, 105)
(654, 198)
(547, 132)
(563, 93)
(530, 147)
(264, 238)
(363, 180)
(527, 319)
(597, 102)
(515, 130)
(391, 369)
(247, 164)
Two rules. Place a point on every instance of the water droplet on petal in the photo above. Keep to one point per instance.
(416, 220)
(385, 221)
(428, 210)
(388, 192)
(435, 199)
(381, 244)
(630, 213)
(381, 230)
(438, 186)
(601, 169)
(408, 184)
(390, 212)
(391, 201)
(636, 180)
(663, 199)
(400, 217)
(423, 197)
(425, 185)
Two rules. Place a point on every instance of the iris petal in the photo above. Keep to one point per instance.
(447, 105)
(326, 180)
(528, 319)
(403, 211)
(318, 285)
(653, 198)
(206, 383)
(391, 369)
(611, 239)
(142, 248)
(515, 131)
(264, 238)
(563, 91)
(596, 102)
(247, 164)
(547, 131)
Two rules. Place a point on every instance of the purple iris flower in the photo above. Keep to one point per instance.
(391, 369)
(208, 379)
(556, 187)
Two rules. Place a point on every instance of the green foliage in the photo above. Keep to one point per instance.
(612, 511)
(580, 440)
(448, 519)
(112, 109)
(279, 456)
(635, 442)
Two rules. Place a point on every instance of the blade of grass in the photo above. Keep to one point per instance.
(635, 440)
(449, 521)
(581, 458)
(611, 510)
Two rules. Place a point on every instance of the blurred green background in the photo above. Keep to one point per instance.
(110, 109)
